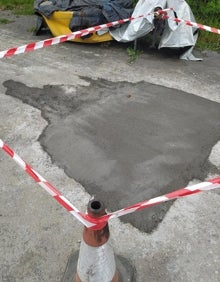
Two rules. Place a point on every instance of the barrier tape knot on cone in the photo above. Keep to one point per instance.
(96, 261)
(97, 223)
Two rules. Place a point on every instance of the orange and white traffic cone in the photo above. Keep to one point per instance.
(96, 261)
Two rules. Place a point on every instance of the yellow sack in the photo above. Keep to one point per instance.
(58, 23)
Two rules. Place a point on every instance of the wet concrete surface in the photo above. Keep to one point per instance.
(126, 142)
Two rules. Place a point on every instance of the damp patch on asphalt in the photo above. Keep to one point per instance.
(126, 142)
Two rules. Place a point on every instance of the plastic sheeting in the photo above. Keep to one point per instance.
(175, 35)
(138, 27)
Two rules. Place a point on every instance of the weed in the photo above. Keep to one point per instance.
(133, 54)
(4, 21)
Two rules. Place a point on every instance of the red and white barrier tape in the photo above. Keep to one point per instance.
(62, 38)
(194, 189)
(46, 185)
(189, 23)
(96, 223)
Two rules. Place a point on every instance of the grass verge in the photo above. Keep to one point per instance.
(19, 7)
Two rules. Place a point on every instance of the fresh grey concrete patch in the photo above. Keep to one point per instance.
(126, 142)
(214, 156)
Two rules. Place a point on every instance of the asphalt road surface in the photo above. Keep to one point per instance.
(93, 124)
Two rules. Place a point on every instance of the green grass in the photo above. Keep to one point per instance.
(207, 12)
(210, 41)
(19, 7)
(4, 21)
(206, 39)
